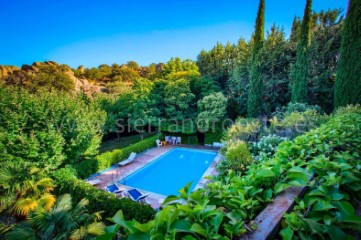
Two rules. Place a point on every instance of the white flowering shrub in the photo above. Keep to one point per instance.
(266, 147)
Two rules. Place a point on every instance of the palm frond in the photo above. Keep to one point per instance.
(22, 231)
(24, 205)
(45, 183)
(47, 200)
(7, 200)
(96, 228)
(64, 203)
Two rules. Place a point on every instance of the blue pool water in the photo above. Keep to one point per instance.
(172, 171)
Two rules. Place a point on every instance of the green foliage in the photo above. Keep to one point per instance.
(211, 110)
(230, 66)
(226, 207)
(296, 123)
(254, 104)
(23, 188)
(238, 89)
(244, 129)
(178, 99)
(275, 65)
(282, 112)
(259, 29)
(107, 159)
(324, 55)
(237, 158)
(203, 86)
(348, 83)
(332, 153)
(99, 200)
(48, 76)
(62, 221)
(266, 147)
(48, 129)
(218, 63)
(213, 136)
(299, 72)
(175, 69)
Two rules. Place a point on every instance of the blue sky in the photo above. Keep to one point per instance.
(92, 32)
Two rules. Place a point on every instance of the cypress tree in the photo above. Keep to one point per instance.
(299, 73)
(254, 104)
(348, 77)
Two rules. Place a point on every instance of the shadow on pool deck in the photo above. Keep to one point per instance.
(117, 173)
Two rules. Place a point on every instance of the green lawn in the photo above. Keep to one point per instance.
(112, 144)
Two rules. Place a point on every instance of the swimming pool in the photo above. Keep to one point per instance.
(171, 171)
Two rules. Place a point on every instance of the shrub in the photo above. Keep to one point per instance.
(266, 147)
(296, 123)
(226, 208)
(107, 159)
(49, 129)
(213, 136)
(349, 109)
(245, 129)
(238, 157)
(332, 153)
(99, 200)
(281, 112)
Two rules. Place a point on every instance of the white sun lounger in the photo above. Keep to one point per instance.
(94, 181)
(129, 160)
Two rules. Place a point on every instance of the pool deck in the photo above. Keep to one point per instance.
(115, 174)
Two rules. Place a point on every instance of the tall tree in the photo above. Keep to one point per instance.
(324, 55)
(275, 67)
(348, 78)
(254, 106)
(299, 74)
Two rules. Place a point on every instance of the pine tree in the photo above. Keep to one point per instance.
(254, 105)
(299, 74)
(296, 25)
(348, 78)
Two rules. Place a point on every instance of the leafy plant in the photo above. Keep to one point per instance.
(266, 147)
(99, 200)
(327, 207)
(243, 129)
(237, 158)
(107, 159)
(23, 188)
(62, 221)
(226, 208)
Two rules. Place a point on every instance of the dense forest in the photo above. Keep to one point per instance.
(252, 95)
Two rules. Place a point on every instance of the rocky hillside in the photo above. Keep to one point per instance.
(52, 75)
(14, 75)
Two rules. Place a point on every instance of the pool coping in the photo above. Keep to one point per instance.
(201, 183)
(156, 198)
(167, 152)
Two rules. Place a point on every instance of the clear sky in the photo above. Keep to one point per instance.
(92, 32)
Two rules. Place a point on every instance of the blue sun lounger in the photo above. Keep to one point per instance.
(114, 189)
(137, 196)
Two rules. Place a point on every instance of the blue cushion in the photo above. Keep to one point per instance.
(112, 188)
(134, 193)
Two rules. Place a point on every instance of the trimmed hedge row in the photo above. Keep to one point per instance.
(107, 159)
(210, 137)
(99, 200)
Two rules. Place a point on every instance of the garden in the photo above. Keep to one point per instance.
(286, 110)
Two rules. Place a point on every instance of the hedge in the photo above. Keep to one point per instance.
(213, 136)
(99, 200)
(107, 159)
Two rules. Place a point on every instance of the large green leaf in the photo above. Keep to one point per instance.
(287, 233)
(264, 173)
(197, 228)
(322, 205)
